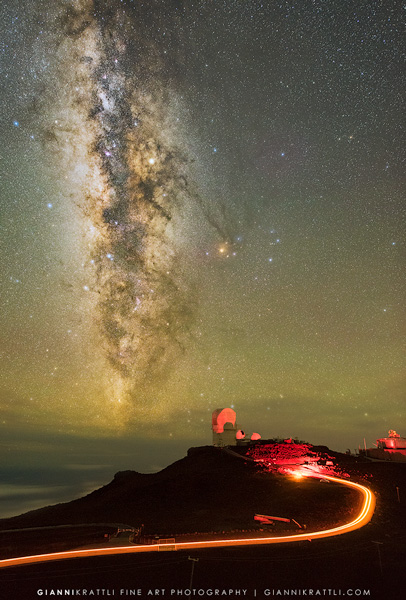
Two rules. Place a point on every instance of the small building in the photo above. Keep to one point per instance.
(391, 448)
(392, 443)
(226, 431)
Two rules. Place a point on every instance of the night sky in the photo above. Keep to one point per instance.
(201, 206)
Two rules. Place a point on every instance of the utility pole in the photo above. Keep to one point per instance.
(379, 554)
(194, 561)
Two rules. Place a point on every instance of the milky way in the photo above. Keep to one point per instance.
(134, 190)
(276, 288)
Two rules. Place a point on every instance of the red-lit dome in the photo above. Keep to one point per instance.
(220, 417)
(255, 436)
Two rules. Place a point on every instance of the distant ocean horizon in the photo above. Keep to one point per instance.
(75, 473)
(19, 498)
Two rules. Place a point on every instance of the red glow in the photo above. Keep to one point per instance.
(282, 453)
(392, 433)
(220, 417)
(279, 456)
(255, 436)
(240, 435)
(269, 519)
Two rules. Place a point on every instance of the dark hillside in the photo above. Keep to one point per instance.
(209, 490)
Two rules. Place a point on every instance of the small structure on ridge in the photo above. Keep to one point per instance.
(226, 431)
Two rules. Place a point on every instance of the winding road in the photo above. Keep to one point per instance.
(365, 515)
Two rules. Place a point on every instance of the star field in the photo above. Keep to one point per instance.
(202, 206)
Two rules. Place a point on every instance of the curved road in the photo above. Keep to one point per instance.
(365, 515)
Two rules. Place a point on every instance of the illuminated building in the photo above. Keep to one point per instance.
(226, 431)
(224, 427)
(393, 443)
(391, 448)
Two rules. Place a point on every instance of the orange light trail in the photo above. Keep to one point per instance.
(365, 515)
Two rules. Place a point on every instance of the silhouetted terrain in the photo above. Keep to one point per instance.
(210, 490)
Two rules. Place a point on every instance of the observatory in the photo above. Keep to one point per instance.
(226, 431)
(224, 426)
(391, 448)
(392, 443)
